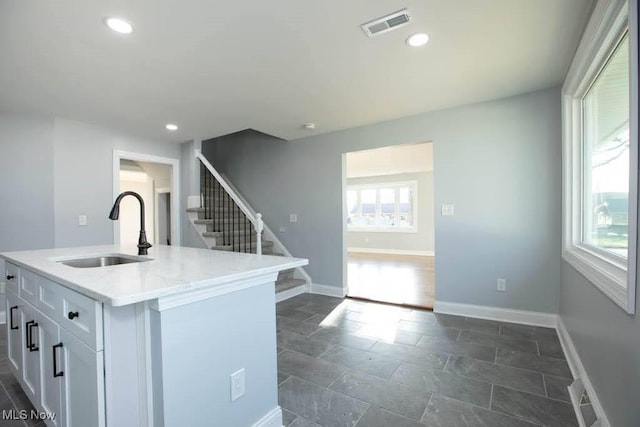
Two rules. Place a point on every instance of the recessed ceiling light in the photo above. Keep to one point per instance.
(171, 127)
(119, 25)
(418, 39)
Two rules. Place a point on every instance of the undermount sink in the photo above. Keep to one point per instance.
(102, 261)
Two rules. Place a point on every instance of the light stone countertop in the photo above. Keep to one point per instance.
(171, 271)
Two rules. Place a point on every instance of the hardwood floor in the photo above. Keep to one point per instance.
(398, 279)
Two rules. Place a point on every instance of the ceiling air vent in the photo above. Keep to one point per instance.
(386, 23)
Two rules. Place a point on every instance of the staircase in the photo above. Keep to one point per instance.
(226, 223)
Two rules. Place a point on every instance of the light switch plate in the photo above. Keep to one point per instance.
(293, 217)
(447, 210)
(82, 220)
(237, 384)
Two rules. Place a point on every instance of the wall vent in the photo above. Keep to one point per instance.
(386, 23)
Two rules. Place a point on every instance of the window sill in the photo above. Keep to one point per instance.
(609, 277)
(381, 230)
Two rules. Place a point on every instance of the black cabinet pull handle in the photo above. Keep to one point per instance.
(32, 346)
(27, 332)
(55, 362)
(10, 276)
(15, 307)
(73, 314)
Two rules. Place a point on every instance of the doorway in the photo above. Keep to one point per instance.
(155, 179)
(163, 216)
(389, 225)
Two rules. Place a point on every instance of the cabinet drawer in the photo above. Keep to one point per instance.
(12, 275)
(49, 298)
(28, 286)
(81, 316)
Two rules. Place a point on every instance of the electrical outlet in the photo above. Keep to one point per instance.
(502, 285)
(237, 384)
(82, 220)
(283, 228)
(447, 210)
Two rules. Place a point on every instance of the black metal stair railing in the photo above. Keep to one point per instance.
(226, 216)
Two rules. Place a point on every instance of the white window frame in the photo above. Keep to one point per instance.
(413, 185)
(612, 274)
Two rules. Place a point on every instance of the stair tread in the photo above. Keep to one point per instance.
(210, 221)
(195, 209)
(265, 244)
(213, 234)
(288, 284)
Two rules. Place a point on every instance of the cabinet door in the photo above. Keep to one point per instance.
(31, 353)
(83, 385)
(14, 333)
(51, 370)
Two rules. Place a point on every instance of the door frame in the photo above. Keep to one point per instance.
(176, 236)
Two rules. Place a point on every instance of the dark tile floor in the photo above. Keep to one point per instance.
(13, 401)
(353, 363)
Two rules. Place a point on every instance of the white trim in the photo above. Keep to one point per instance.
(293, 292)
(272, 419)
(176, 230)
(391, 251)
(145, 377)
(345, 217)
(108, 365)
(189, 297)
(380, 229)
(534, 318)
(578, 371)
(611, 274)
(331, 291)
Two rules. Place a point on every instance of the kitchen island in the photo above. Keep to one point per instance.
(182, 336)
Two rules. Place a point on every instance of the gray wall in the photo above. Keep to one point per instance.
(420, 241)
(498, 162)
(83, 177)
(26, 184)
(608, 343)
(26, 174)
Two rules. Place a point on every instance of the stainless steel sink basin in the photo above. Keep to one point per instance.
(102, 261)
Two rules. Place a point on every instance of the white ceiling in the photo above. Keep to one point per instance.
(216, 67)
(394, 160)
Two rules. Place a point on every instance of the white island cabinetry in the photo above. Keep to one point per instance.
(57, 371)
(149, 343)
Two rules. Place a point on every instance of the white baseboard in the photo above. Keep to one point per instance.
(331, 291)
(578, 371)
(534, 318)
(290, 293)
(272, 419)
(391, 251)
(3, 317)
